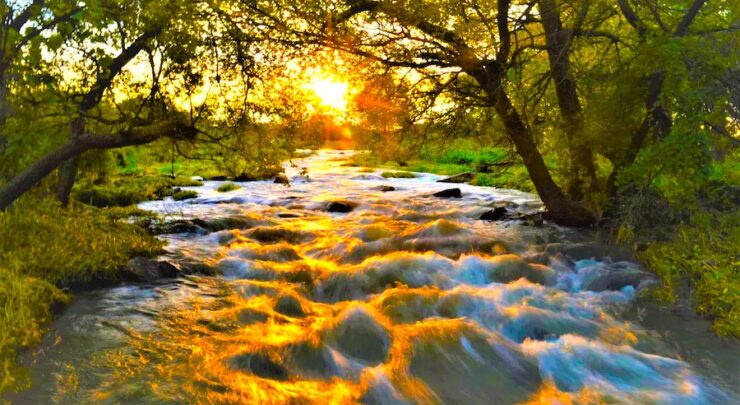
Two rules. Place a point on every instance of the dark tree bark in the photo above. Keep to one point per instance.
(562, 209)
(490, 75)
(583, 177)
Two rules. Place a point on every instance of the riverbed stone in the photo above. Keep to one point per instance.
(281, 179)
(589, 250)
(340, 206)
(141, 269)
(449, 193)
(386, 189)
(496, 214)
(618, 276)
(458, 178)
(260, 365)
(510, 267)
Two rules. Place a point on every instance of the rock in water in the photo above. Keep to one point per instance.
(449, 193)
(495, 214)
(386, 189)
(340, 206)
(458, 178)
(281, 179)
(361, 336)
(260, 365)
(141, 269)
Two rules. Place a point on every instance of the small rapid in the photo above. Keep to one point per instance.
(341, 289)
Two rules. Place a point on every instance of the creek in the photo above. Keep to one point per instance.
(405, 298)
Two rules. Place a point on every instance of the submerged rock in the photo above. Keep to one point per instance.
(201, 226)
(589, 250)
(449, 193)
(510, 267)
(617, 276)
(260, 365)
(340, 206)
(462, 365)
(386, 189)
(458, 178)
(266, 234)
(361, 336)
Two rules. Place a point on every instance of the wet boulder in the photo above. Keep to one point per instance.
(589, 250)
(361, 336)
(143, 270)
(449, 193)
(496, 214)
(458, 178)
(281, 179)
(260, 365)
(386, 189)
(173, 227)
(461, 365)
(340, 206)
(618, 276)
(510, 267)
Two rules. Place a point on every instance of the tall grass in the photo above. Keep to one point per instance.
(42, 247)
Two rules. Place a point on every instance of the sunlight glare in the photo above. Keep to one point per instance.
(330, 92)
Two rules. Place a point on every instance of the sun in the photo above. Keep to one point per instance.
(330, 91)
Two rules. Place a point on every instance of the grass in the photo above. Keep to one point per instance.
(184, 195)
(704, 253)
(43, 246)
(398, 175)
(482, 162)
(226, 187)
(123, 191)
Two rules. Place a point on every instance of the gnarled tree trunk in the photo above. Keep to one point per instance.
(562, 209)
(583, 177)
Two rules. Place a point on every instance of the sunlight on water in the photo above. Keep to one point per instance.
(405, 299)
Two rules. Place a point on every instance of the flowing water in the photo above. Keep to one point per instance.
(408, 298)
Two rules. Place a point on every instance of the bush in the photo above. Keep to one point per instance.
(226, 187)
(43, 246)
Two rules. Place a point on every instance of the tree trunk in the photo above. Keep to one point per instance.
(562, 209)
(582, 181)
(67, 177)
(28, 178)
(173, 127)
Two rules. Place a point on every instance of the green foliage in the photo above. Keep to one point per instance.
(43, 246)
(398, 175)
(705, 253)
(184, 195)
(128, 190)
(226, 187)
